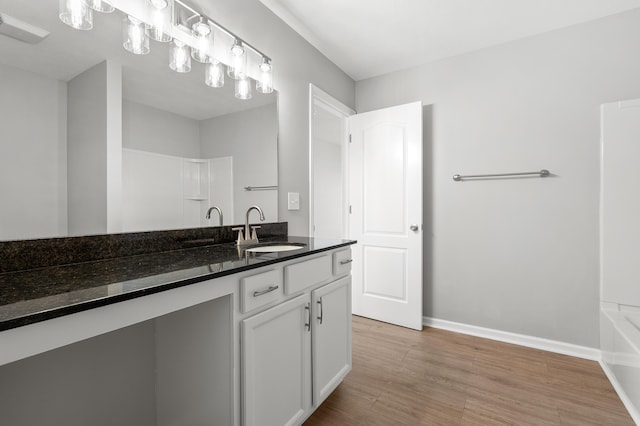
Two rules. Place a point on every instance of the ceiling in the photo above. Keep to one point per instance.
(367, 38)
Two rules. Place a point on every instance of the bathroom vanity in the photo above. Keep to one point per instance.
(209, 335)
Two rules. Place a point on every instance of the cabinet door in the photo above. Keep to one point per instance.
(276, 366)
(331, 337)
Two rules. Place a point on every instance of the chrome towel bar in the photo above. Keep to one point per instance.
(541, 173)
(260, 188)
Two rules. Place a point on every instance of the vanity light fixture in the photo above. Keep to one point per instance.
(161, 15)
(134, 37)
(204, 41)
(214, 74)
(238, 67)
(243, 87)
(179, 58)
(163, 20)
(101, 6)
(264, 83)
(77, 14)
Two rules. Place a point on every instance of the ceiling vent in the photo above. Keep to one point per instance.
(20, 30)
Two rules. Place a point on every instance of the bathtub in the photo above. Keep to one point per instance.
(620, 346)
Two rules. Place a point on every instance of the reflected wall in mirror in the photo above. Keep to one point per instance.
(96, 139)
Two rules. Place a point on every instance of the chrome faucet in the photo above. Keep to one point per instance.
(216, 208)
(250, 236)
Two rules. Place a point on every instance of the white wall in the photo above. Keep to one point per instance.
(229, 136)
(620, 203)
(152, 193)
(153, 130)
(94, 150)
(33, 156)
(517, 255)
(296, 64)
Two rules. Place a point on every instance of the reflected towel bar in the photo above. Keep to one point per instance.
(541, 173)
(260, 188)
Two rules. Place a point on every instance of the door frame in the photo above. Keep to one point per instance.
(319, 96)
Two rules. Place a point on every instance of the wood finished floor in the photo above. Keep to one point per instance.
(436, 377)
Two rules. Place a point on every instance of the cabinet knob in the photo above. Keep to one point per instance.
(414, 227)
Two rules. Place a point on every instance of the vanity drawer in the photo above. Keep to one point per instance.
(260, 289)
(342, 262)
(301, 275)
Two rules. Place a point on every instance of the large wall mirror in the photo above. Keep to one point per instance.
(95, 139)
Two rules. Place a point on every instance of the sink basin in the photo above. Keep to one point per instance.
(274, 248)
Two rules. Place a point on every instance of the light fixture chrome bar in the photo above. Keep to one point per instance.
(221, 28)
(541, 173)
(260, 188)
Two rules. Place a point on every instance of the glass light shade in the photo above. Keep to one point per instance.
(179, 59)
(203, 34)
(159, 4)
(77, 14)
(264, 84)
(101, 6)
(214, 74)
(243, 87)
(134, 37)
(238, 66)
(160, 12)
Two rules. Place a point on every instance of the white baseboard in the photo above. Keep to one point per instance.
(633, 412)
(516, 339)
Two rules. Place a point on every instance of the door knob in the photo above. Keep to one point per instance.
(414, 228)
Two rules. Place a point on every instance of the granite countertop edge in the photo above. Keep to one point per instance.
(159, 282)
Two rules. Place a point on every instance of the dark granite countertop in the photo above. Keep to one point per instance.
(35, 295)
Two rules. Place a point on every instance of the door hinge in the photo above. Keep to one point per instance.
(349, 137)
(350, 210)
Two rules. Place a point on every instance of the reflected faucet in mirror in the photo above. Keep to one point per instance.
(250, 235)
(216, 208)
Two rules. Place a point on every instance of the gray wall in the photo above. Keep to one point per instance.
(253, 161)
(153, 130)
(296, 64)
(517, 255)
(105, 380)
(33, 155)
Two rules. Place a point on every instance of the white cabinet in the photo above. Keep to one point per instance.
(331, 340)
(296, 353)
(276, 367)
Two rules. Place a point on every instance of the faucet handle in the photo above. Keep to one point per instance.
(254, 234)
(240, 234)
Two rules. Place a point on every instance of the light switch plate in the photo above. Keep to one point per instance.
(294, 200)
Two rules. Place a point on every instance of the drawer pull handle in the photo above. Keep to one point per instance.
(321, 317)
(265, 291)
(344, 262)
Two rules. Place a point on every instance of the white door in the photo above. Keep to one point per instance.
(386, 214)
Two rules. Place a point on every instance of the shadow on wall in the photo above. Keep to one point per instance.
(427, 210)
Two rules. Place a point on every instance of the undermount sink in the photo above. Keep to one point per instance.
(270, 248)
